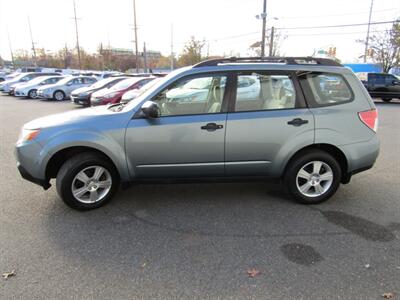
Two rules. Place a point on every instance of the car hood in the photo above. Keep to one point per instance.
(79, 116)
(131, 94)
(85, 89)
(105, 91)
(9, 82)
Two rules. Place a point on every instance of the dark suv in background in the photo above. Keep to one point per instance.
(382, 85)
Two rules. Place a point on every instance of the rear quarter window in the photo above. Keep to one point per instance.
(325, 89)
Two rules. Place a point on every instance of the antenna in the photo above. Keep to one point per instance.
(33, 44)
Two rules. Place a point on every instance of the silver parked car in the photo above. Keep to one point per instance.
(5, 86)
(29, 89)
(311, 123)
(62, 89)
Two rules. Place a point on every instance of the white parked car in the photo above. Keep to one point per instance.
(29, 89)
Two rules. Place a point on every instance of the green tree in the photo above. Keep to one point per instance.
(191, 53)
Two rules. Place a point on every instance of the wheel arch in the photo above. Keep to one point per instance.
(332, 150)
(58, 159)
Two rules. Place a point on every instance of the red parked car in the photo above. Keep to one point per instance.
(114, 93)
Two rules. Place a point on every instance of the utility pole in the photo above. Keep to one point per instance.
(271, 41)
(33, 44)
(77, 37)
(144, 58)
(136, 39)
(172, 46)
(12, 54)
(367, 39)
(264, 20)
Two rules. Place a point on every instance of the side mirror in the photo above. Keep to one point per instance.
(150, 110)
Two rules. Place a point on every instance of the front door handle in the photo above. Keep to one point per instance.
(211, 127)
(297, 122)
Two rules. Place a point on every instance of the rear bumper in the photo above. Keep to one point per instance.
(361, 156)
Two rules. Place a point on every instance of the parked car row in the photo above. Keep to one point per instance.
(85, 90)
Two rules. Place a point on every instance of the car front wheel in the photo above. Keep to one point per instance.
(59, 95)
(87, 181)
(32, 94)
(312, 177)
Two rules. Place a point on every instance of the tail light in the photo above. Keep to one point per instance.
(369, 118)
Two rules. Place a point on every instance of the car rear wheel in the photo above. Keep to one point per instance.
(386, 99)
(87, 181)
(59, 95)
(32, 94)
(312, 177)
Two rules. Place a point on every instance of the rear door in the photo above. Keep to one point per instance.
(267, 120)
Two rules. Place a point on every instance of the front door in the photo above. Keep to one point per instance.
(268, 119)
(187, 140)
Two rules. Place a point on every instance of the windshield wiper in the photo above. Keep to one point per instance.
(117, 106)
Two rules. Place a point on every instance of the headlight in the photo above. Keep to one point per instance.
(83, 94)
(28, 135)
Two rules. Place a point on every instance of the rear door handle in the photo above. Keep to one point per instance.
(211, 127)
(297, 122)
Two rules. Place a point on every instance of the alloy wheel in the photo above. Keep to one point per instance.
(91, 184)
(314, 179)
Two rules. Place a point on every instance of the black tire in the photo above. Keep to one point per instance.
(59, 93)
(386, 99)
(298, 162)
(32, 94)
(72, 167)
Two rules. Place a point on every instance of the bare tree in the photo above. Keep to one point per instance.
(384, 47)
(278, 39)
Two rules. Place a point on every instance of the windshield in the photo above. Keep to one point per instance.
(198, 84)
(157, 84)
(65, 80)
(124, 84)
(38, 79)
(102, 83)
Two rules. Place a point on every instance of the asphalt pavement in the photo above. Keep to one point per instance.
(200, 241)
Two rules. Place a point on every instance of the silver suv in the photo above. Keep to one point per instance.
(307, 121)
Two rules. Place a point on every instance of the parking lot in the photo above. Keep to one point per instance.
(200, 240)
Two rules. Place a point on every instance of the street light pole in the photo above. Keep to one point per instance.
(367, 39)
(264, 19)
(77, 38)
(136, 40)
(271, 42)
(33, 44)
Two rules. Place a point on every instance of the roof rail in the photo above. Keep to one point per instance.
(308, 60)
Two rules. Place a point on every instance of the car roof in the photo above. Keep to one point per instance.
(269, 63)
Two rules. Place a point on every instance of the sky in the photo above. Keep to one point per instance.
(229, 27)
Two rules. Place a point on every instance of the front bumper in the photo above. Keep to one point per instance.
(85, 101)
(29, 156)
(18, 93)
(24, 173)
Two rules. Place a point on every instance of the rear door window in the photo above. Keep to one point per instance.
(256, 91)
(324, 89)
